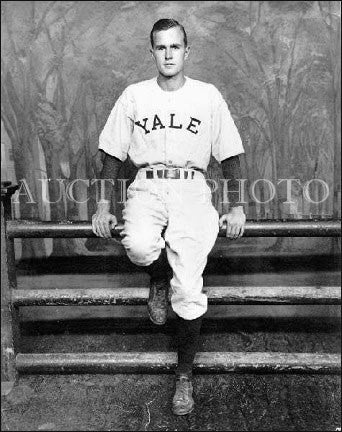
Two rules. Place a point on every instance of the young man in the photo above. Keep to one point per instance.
(169, 126)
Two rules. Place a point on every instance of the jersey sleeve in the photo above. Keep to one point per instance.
(226, 140)
(116, 135)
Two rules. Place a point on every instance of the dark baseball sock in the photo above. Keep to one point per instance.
(187, 336)
(160, 268)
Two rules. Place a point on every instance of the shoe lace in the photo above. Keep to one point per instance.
(182, 388)
(160, 290)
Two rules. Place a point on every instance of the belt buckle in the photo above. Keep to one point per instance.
(170, 174)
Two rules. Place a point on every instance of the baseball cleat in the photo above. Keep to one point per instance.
(183, 402)
(158, 300)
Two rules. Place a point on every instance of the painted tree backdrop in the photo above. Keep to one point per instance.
(65, 63)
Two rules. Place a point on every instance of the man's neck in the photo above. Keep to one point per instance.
(171, 83)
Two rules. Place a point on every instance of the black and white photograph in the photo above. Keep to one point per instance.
(170, 215)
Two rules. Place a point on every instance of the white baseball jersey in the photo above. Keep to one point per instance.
(178, 128)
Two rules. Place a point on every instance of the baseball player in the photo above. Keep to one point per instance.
(169, 126)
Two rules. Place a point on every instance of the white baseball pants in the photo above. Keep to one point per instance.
(184, 207)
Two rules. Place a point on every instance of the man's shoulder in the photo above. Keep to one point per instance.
(199, 85)
(136, 91)
(140, 86)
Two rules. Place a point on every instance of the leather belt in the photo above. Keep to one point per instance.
(175, 173)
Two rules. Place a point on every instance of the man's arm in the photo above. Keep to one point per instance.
(103, 220)
(236, 217)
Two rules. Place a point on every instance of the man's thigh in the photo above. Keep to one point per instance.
(193, 221)
(144, 218)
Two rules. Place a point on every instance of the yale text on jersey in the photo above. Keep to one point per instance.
(155, 123)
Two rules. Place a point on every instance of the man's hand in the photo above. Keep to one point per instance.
(235, 220)
(103, 221)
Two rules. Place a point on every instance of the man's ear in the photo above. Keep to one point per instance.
(187, 52)
(152, 54)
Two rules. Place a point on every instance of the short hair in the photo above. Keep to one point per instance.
(165, 24)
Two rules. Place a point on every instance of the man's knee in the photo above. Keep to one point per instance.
(141, 249)
(189, 305)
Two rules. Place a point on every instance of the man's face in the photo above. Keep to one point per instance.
(169, 51)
